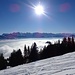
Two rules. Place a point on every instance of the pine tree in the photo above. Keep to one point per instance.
(16, 58)
(34, 53)
(25, 51)
(3, 62)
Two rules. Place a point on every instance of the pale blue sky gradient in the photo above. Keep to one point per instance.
(17, 16)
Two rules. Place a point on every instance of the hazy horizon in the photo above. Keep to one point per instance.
(39, 32)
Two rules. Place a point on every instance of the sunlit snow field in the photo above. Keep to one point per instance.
(7, 46)
(60, 65)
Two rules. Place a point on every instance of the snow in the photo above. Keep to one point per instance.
(59, 65)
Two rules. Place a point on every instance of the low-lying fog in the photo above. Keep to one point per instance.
(7, 46)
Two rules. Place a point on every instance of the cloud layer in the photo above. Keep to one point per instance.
(7, 46)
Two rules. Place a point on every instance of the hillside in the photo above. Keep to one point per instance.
(60, 65)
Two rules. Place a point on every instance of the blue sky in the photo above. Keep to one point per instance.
(17, 16)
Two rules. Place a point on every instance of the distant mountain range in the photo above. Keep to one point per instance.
(16, 35)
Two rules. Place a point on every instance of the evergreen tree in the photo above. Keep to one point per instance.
(25, 54)
(43, 53)
(16, 58)
(25, 51)
(28, 51)
(3, 62)
(34, 53)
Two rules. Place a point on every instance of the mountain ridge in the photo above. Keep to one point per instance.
(15, 35)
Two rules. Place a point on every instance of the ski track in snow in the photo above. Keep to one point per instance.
(59, 65)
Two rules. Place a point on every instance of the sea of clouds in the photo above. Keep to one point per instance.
(7, 46)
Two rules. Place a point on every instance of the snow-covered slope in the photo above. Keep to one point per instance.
(60, 65)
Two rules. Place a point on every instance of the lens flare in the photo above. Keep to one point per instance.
(14, 7)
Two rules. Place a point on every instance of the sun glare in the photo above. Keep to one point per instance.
(39, 10)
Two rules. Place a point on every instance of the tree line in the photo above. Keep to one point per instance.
(33, 54)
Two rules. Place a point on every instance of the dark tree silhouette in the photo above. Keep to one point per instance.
(3, 62)
(43, 53)
(64, 40)
(26, 54)
(16, 58)
(72, 40)
(25, 51)
(28, 51)
(34, 53)
(67, 45)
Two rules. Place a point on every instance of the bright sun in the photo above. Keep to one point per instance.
(39, 10)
